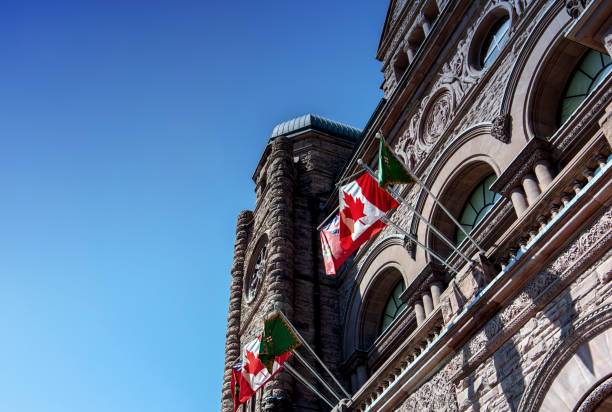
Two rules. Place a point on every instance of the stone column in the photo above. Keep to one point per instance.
(426, 26)
(232, 342)
(606, 122)
(362, 374)
(354, 382)
(279, 270)
(543, 173)
(427, 303)
(607, 41)
(436, 291)
(419, 312)
(410, 53)
(519, 201)
(530, 184)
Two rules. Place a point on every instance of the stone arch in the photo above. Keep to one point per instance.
(459, 167)
(577, 372)
(383, 267)
(540, 72)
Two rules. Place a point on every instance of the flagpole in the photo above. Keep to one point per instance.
(434, 254)
(316, 375)
(327, 219)
(314, 354)
(420, 182)
(399, 197)
(303, 380)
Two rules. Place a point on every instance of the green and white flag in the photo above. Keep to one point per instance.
(277, 339)
(390, 169)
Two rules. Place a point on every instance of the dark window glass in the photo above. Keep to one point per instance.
(589, 72)
(478, 204)
(494, 41)
(394, 306)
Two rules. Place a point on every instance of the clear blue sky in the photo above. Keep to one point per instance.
(129, 133)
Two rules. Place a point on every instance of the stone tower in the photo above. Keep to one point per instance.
(277, 258)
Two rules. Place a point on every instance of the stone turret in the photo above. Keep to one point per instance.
(277, 262)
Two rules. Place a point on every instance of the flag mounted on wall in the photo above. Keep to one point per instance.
(333, 254)
(253, 374)
(362, 204)
(390, 169)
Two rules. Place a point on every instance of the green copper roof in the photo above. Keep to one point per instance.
(312, 121)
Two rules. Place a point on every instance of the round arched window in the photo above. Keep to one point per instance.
(494, 41)
(394, 306)
(254, 278)
(477, 205)
(589, 72)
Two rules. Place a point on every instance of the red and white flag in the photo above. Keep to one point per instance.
(333, 254)
(362, 204)
(254, 373)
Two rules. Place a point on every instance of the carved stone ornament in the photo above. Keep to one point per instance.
(437, 118)
(501, 127)
(574, 7)
(255, 276)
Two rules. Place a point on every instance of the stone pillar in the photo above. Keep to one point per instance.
(427, 303)
(419, 312)
(606, 122)
(530, 184)
(426, 26)
(362, 374)
(543, 173)
(354, 382)
(410, 53)
(279, 270)
(232, 342)
(436, 291)
(607, 41)
(518, 200)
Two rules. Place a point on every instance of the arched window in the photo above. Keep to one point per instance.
(588, 73)
(477, 205)
(494, 41)
(394, 306)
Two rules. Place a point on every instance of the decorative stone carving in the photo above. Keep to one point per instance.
(542, 288)
(595, 398)
(436, 395)
(501, 127)
(437, 118)
(574, 7)
(456, 74)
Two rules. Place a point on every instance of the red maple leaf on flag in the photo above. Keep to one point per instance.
(254, 366)
(353, 209)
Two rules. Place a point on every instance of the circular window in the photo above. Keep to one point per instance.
(588, 73)
(494, 41)
(254, 278)
(476, 207)
(394, 306)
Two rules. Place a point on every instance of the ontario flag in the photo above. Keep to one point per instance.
(333, 254)
(253, 373)
(362, 204)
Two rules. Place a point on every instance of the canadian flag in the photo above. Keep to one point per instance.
(362, 204)
(254, 374)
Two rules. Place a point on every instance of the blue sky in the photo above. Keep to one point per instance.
(129, 133)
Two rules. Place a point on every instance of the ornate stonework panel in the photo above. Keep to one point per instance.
(437, 118)
(509, 319)
(438, 394)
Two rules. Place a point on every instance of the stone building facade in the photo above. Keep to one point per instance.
(503, 108)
